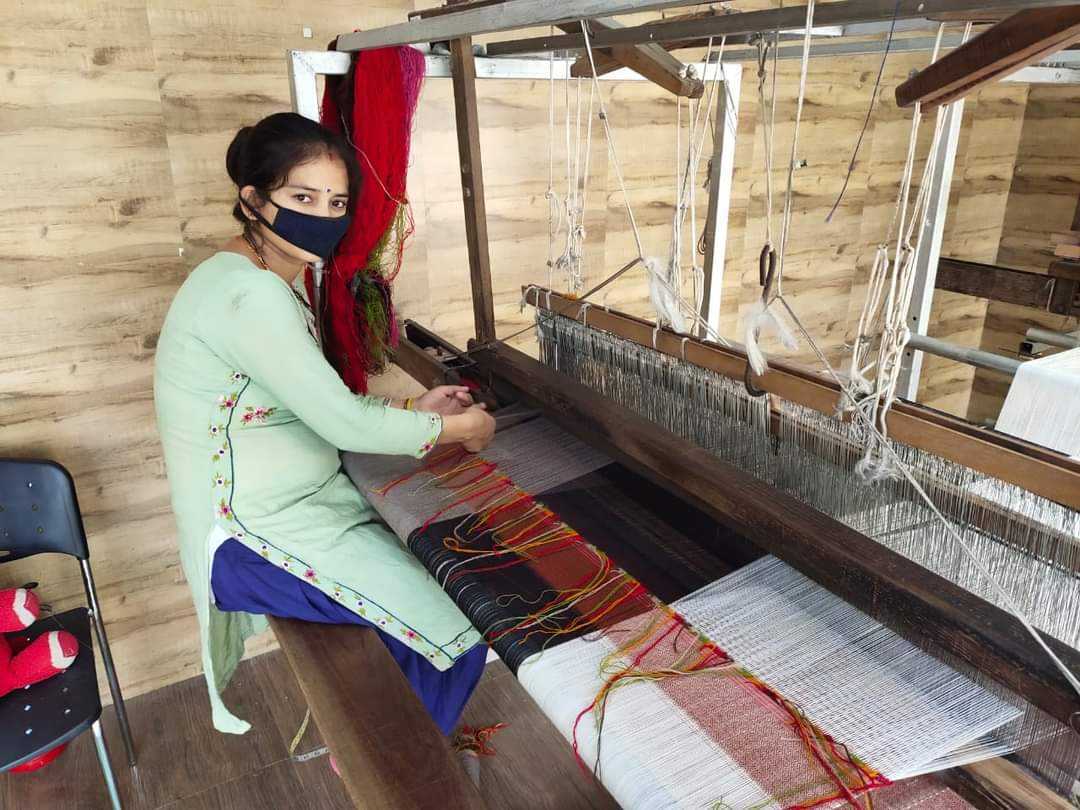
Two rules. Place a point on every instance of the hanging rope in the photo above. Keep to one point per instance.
(889, 294)
(785, 230)
(869, 112)
(571, 211)
(612, 149)
(761, 318)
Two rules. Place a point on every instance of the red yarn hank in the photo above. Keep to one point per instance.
(373, 106)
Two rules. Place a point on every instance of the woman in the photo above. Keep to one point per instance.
(252, 417)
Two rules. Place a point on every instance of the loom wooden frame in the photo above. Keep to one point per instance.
(915, 426)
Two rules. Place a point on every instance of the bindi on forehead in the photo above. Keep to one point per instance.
(316, 190)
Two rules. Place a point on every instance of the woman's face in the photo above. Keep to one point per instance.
(319, 187)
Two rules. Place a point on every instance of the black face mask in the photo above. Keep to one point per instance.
(318, 235)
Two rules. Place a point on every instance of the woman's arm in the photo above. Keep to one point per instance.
(255, 326)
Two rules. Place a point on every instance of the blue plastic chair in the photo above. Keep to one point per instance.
(39, 514)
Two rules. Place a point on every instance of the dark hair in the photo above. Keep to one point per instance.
(263, 155)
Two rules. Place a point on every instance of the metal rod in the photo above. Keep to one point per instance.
(106, 766)
(107, 660)
(964, 354)
(929, 246)
(1051, 338)
(491, 19)
(749, 22)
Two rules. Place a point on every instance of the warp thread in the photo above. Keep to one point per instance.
(373, 107)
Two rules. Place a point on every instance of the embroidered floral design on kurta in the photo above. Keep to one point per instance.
(256, 415)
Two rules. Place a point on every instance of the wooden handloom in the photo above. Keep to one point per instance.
(897, 592)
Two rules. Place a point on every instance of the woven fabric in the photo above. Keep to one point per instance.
(537, 455)
(1043, 404)
(663, 714)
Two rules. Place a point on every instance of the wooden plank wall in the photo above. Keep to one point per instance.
(113, 126)
(1042, 199)
(115, 119)
(90, 238)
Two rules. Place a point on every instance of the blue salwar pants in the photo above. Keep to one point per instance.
(243, 580)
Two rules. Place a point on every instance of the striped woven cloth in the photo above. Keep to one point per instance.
(583, 579)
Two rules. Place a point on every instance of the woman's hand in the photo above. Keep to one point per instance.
(474, 429)
(445, 400)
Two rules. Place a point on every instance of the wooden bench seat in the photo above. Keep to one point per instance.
(390, 753)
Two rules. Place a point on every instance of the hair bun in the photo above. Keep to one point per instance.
(236, 157)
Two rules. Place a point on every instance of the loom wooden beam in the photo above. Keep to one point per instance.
(390, 753)
(998, 784)
(422, 366)
(1037, 469)
(894, 590)
(605, 63)
(1057, 291)
(1018, 41)
(450, 8)
(489, 19)
(750, 22)
(1065, 297)
(648, 59)
(463, 66)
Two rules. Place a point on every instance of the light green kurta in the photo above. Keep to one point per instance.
(252, 418)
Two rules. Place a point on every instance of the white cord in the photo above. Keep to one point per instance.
(889, 294)
(612, 151)
(785, 226)
(554, 211)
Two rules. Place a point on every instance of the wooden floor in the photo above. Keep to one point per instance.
(184, 763)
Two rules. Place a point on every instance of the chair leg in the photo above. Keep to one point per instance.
(107, 660)
(106, 766)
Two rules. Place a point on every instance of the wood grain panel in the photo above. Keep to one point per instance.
(90, 244)
(1042, 200)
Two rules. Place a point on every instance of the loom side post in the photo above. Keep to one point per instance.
(463, 66)
(929, 248)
